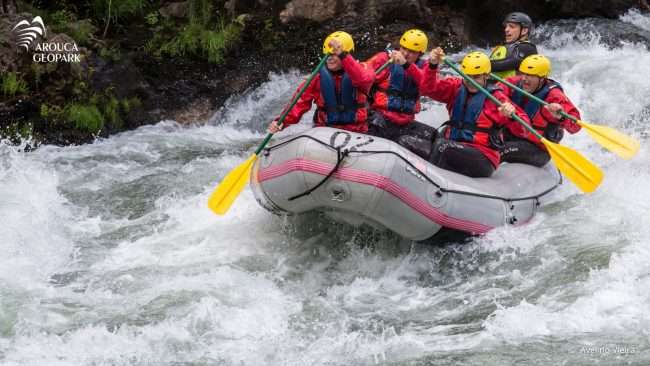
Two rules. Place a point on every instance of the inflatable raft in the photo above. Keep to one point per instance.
(360, 179)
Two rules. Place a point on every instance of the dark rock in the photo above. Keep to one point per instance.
(177, 10)
(11, 58)
(318, 11)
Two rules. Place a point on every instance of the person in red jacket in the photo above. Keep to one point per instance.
(548, 121)
(339, 90)
(473, 136)
(395, 93)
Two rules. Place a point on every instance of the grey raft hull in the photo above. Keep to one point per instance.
(363, 179)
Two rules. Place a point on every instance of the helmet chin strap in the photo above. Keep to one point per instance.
(522, 36)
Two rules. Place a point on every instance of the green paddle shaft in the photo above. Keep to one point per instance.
(530, 96)
(492, 98)
(293, 102)
(380, 69)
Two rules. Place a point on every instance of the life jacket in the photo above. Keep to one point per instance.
(341, 107)
(468, 123)
(399, 92)
(549, 129)
(501, 53)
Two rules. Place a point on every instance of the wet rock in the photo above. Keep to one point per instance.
(197, 112)
(318, 11)
(177, 10)
(11, 59)
(371, 11)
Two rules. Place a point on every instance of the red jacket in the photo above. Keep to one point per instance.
(382, 82)
(543, 117)
(361, 77)
(446, 90)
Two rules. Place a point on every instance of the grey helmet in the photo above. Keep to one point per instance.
(521, 19)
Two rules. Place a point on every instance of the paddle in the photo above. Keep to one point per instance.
(388, 49)
(233, 183)
(574, 166)
(611, 139)
(382, 67)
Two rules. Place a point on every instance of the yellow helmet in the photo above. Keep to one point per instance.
(345, 38)
(476, 63)
(537, 65)
(414, 40)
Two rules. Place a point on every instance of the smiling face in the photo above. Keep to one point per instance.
(410, 55)
(531, 83)
(334, 63)
(513, 31)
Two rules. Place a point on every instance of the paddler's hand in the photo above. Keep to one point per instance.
(397, 58)
(274, 127)
(555, 110)
(436, 56)
(507, 109)
(336, 46)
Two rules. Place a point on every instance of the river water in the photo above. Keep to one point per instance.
(110, 256)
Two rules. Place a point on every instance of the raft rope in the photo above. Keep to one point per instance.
(342, 154)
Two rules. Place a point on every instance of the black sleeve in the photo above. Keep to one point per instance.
(520, 52)
(524, 50)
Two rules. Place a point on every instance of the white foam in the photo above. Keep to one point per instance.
(634, 16)
(35, 219)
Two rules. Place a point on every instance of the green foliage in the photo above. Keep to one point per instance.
(200, 12)
(17, 131)
(268, 37)
(79, 88)
(115, 11)
(13, 84)
(51, 112)
(128, 104)
(197, 40)
(85, 117)
(58, 21)
(113, 53)
(118, 9)
(82, 31)
(45, 110)
(65, 21)
(152, 18)
(26, 130)
(36, 71)
(111, 113)
(200, 37)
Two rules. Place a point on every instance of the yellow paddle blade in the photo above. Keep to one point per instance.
(582, 172)
(230, 187)
(614, 141)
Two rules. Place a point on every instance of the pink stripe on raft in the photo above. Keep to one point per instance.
(376, 180)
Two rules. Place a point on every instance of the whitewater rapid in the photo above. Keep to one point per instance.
(111, 257)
